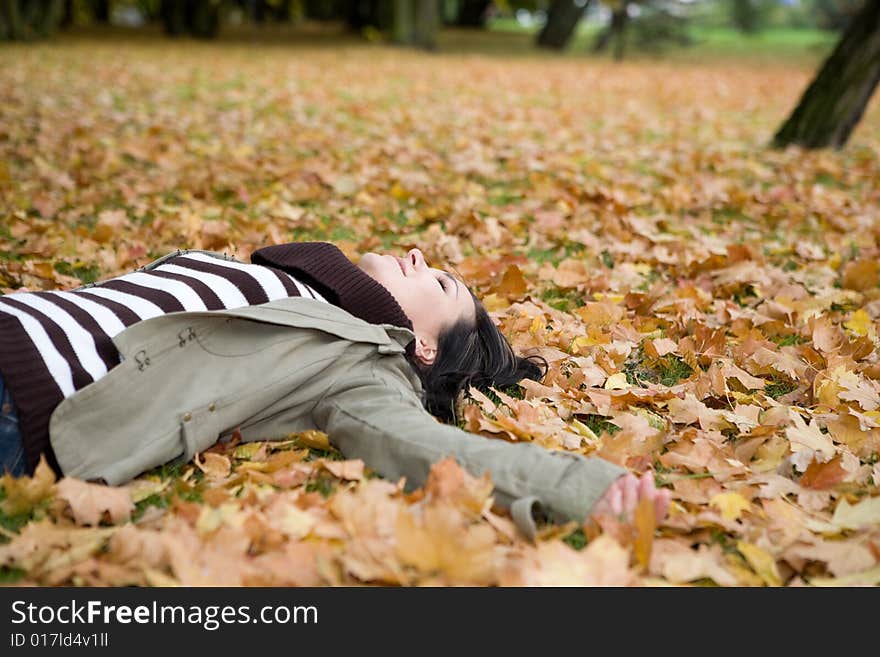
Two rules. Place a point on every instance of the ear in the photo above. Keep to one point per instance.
(426, 350)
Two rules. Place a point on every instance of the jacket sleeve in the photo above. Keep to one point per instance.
(391, 432)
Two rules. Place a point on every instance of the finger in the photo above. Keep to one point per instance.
(646, 486)
(661, 504)
(616, 500)
(630, 494)
(603, 506)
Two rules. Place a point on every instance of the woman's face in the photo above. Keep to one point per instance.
(431, 298)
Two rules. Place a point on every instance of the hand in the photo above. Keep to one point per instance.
(623, 497)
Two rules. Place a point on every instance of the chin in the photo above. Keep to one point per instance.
(369, 262)
(376, 265)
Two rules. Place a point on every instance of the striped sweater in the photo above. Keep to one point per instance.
(55, 343)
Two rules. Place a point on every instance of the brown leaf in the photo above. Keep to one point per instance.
(215, 466)
(352, 470)
(448, 481)
(439, 540)
(822, 476)
(512, 284)
(89, 502)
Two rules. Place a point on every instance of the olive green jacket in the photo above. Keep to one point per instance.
(189, 378)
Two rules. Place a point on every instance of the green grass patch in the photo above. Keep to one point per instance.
(673, 369)
(788, 340)
(14, 523)
(668, 370)
(157, 499)
(86, 273)
(562, 300)
(516, 391)
(323, 484)
(827, 180)
(778, 387)
(577, 539)
(327, 454)
(795, 44)
(599, 424)
(10, 575)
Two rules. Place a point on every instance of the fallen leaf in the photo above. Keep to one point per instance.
(731, 505)
(23, 493)
(89, 502)
(215, 466)
(864, 513)
(761, 561)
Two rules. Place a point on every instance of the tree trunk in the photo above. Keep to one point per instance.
(101, 11)
(320, 11)
(618, 28)
(173, 13)
(562, 19)
(11, 26)
(745, 16)
(67, 15)
(427, 17)
(836, 99)
(472, 13)
(403, 30)
(415, 23)
(49, 18)
(616, 31)
(203, 19)
(27, 19)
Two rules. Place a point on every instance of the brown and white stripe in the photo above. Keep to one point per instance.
(73, 331)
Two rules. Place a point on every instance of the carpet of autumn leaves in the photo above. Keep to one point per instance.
(708, 307)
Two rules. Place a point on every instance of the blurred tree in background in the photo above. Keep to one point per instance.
(563, 18)
(836, 99)
(748, 15)
(612, 25)
(200, 18)
(472, 13)
(27, 19)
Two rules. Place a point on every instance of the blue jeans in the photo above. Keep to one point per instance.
(11, 448)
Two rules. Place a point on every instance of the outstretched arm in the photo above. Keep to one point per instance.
(374, 419)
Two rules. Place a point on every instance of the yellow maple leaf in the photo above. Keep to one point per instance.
(859, 323)
(493, 302)
(731, 505)
(761, 561)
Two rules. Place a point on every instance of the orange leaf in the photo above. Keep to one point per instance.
(645, 523)
(822, 476)
(512, 285)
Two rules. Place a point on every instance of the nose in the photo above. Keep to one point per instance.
(416, 258)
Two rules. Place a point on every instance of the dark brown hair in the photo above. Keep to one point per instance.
(472, 354)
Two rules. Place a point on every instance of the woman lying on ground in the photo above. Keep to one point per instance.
(112, 379)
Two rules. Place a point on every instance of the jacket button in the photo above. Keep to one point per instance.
(187, 417)
(212, 407)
